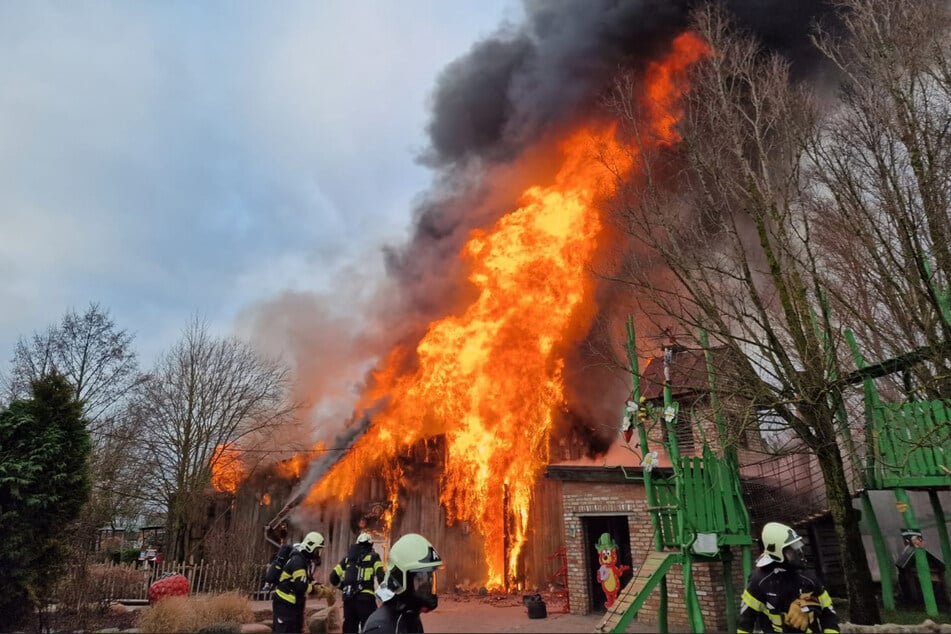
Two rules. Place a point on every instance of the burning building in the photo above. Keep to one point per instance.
(502, 300)
(464, 423)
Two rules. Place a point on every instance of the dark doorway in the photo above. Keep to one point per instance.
(615, 526)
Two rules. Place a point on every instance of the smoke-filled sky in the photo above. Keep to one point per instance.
(267, 166)
(166, 159)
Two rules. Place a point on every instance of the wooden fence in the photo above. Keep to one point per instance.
(125, 582)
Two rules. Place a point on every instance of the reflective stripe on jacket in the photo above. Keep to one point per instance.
(772, 590)
(292, 586)
(369, 565)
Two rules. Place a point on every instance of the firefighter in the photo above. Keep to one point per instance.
(295, 583)
(357, 575)
(408, 589)
(781, 596)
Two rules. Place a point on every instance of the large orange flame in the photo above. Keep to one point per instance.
(489, 380)
(227, 470)
(293, 467)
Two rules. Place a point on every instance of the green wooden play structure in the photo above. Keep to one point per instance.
(697, 512)
(908, 448)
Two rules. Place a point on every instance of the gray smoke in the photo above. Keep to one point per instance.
(517, 84)
(527, 83)
(495, 111)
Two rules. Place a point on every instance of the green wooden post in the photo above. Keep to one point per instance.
(885, 567)
(674, 454)
(649, 491)
(921, 557)
(823, 331)
(729, 449)
(694, 615)
(941, 524)
(943, 300)
(726, 555)
(733, 467)
(885, 563)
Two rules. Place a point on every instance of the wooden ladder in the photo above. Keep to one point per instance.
(637, 590)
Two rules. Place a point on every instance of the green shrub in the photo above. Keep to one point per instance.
(44, 483)
(129, 556)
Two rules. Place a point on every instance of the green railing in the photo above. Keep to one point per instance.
(911, 445)
(712, 500)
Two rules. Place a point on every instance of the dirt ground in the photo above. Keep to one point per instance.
(500, 613)
(458, 613)
(461, 614)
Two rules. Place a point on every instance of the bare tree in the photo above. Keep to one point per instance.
(206, 396)
(90, 352)
(725, 245)
(883, 166)
(97, 359)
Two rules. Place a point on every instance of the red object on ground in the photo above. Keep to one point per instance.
(173, 586)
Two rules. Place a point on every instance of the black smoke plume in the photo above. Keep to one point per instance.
(526, 83)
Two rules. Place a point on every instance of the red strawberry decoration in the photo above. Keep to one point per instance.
(170, 586)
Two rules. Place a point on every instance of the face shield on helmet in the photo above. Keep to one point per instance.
(795, 555)
(411, 572)
(423, 589)
(781, 544)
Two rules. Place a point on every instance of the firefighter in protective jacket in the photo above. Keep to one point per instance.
(295, 583)
(357, 575)
(781, 596)
(409, 588)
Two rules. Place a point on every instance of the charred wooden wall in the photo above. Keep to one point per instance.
(419, 510)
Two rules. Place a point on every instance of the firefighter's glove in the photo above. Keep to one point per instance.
(801, 612)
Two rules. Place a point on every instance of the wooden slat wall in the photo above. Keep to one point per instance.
(546, 534)
(460, 545)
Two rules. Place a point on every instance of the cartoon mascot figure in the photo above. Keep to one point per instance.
(609, 574)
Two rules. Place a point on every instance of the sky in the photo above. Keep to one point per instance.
(169, 159)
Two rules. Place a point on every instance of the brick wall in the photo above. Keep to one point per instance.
(628, 499)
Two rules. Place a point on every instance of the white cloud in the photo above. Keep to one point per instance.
(167, 159)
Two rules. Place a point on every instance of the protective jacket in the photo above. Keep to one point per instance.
(368, 565)
(355, 575)
(294, 584)
(393, 617)
(784, 599)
